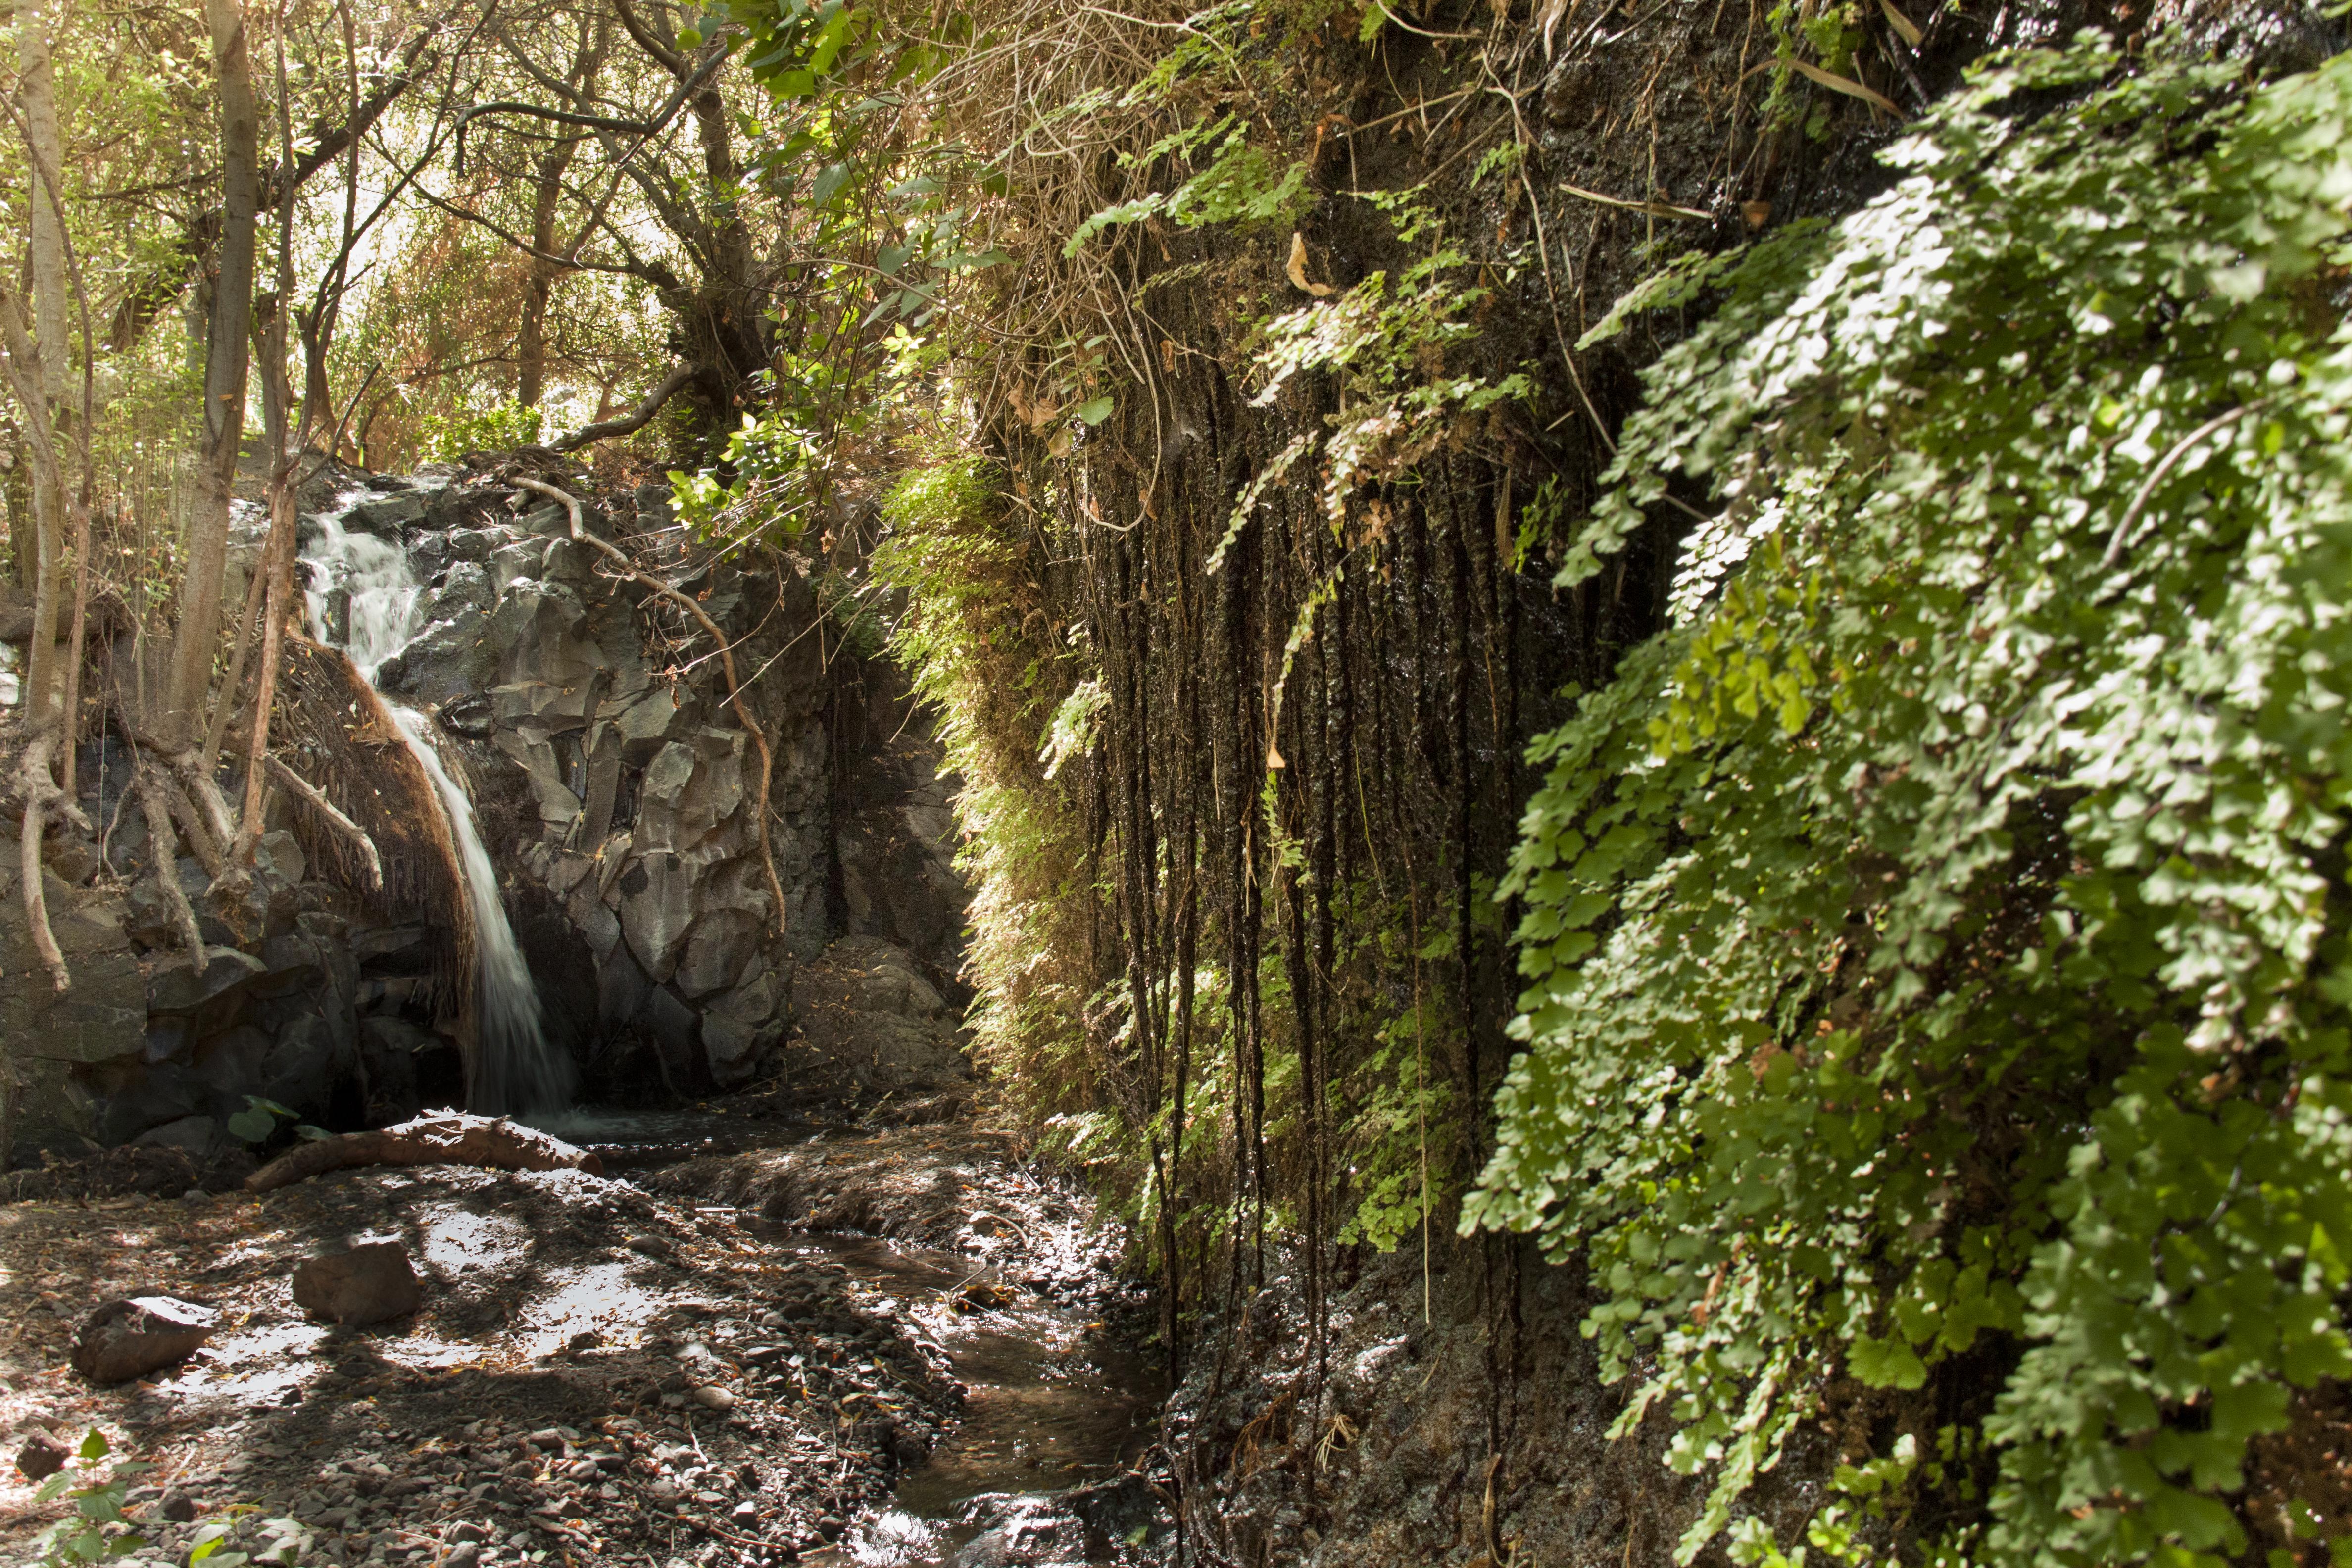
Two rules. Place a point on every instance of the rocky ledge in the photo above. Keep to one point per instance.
(616, 792)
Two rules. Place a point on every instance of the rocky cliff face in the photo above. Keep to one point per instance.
(615, 791)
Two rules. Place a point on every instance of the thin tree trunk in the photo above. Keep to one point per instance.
(47, 372)
(225, 357)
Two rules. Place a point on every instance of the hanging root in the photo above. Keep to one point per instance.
(41, 796)
(334, 818)
(726, 658)
(167, 873)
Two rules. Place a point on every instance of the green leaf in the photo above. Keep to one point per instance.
(1886, 1363)
(252, 1125)
(1094, 410)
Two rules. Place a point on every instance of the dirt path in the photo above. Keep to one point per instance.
(600, 1372)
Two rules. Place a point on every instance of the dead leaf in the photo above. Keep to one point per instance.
(1905, 28)
(1274, 757)
(1298, 267)
(1851, 88)
(1553, 13)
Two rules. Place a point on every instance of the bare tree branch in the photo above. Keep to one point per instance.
(635, 419)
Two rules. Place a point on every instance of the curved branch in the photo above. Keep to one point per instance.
(661, 117)
(635, 419)
(726, 659)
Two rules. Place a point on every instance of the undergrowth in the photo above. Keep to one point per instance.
(1935, 941)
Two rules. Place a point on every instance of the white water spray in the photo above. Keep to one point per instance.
(516, 1070)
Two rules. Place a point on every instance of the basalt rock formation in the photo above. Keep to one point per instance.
(615, 789)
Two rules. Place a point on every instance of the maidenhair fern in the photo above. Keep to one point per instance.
(1936, 941)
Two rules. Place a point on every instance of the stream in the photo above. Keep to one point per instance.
(1057, 1416)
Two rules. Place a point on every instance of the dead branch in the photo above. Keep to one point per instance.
(726, 658)
(41, 795)
(334, 819)
(635, 419)
(440, 1138)
(167, 871)
(194, 829)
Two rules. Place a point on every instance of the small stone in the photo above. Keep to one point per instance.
(466, 1556)
(179, 1507)
(132, 1337)
(364, 1284)
(582, 1470)
(547, 1440)
(40, 1458)
(745, 1514)
(467, 1533)
(710, 1397)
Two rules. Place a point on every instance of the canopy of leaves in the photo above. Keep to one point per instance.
(1935, 940)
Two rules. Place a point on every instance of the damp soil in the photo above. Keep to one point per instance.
(687, 1361)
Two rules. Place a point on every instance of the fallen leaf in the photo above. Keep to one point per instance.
(1298, 267)
(1553, 11)
(1851, 88)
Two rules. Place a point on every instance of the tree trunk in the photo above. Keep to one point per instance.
(539, 283)
(226, 351)
(34, 22)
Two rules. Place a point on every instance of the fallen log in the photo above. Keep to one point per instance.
(441, 1137)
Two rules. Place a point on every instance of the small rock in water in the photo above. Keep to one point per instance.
(134, 1336)
(40, 1458)
(364, 1284)
(710, 1397)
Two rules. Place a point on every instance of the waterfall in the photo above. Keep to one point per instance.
(516, 1070)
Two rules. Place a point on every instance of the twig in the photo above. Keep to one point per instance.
(2122, 535)
(335, 819)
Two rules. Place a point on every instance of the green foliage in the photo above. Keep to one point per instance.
(446, 435)
(259, 1122)
(1238, 185)
(862, 634)
(1935, 941)
(979, 650)
(1399, 1094)
(84, 1535)
(1386, 340)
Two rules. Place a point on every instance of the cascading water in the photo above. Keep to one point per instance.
(516, 1069)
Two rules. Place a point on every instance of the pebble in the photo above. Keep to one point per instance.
(710, 1397)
